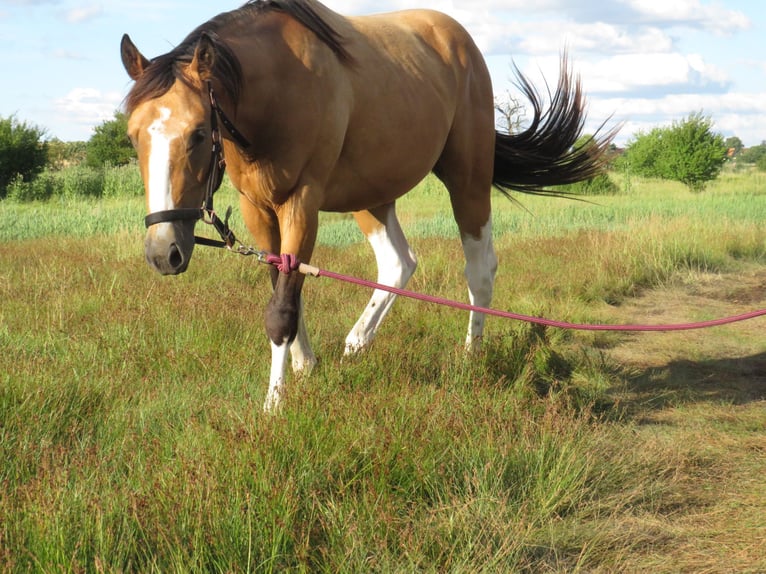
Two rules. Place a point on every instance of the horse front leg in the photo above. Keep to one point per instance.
(303, 358)
(288, 335)
(283, 316)
(285, 335)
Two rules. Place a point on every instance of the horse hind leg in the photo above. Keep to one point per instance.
(469, 185)
(480, 270)
(396, 264)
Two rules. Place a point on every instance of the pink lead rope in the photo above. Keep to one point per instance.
(288, 263)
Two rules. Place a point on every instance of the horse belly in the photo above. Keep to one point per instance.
(385, 160)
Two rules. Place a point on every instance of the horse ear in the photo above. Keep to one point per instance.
(204, 57)
(135, 63)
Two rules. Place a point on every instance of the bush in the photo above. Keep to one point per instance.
(754, 154)
(110, 144)
(72, 182)
(123, 181)
(22, 152)
(602, 184)
(64, 154)
(79, 181)
(688, 152)
(41, 188)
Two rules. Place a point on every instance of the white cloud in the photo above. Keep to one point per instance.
(64, 54)
(660, 73)
(80, 14)
(147, 10)
(643, 57)
(681, 104)
(634, 75)
(599, 38)
(691, 13)
(86, 107)
(30, 2)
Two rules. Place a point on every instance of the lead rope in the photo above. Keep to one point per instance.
(287, 263)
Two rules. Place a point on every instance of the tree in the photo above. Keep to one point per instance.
(510, 113)
(692, 153)
(63, 154)
(688, 152)
(22, 151)
(735, 144)
(753, 154)
(110, 143)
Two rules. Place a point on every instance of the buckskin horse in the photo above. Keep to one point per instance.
(323, 112)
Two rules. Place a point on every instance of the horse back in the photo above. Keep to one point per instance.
(424, 55)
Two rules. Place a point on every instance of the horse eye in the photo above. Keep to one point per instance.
(196, 138)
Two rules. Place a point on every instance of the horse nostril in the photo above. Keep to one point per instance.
(174, 257)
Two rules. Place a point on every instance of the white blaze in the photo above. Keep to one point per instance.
(160, 192)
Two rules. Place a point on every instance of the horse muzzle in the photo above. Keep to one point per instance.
(168, 247)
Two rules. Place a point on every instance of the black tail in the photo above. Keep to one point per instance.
(544, 154)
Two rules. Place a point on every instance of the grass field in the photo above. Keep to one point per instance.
(132, 437)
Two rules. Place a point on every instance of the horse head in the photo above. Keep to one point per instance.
(170, 127)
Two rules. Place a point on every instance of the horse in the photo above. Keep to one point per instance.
(323, 112)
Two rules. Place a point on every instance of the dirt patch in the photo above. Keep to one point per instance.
(739, 289)
(703, 394)
(725, 363)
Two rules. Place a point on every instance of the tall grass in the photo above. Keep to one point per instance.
(78, 181)
(735, 199)
(132, 438)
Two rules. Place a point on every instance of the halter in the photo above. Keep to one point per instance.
(214, 179)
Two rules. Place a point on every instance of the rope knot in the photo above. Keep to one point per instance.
(286, 263)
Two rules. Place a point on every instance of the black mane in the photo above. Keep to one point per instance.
(304, 12)
(164, 70)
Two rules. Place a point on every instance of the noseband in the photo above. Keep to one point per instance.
(214, 179)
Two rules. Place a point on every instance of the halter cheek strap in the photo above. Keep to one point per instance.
(227, 123)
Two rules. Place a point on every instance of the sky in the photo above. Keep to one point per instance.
(643, 63)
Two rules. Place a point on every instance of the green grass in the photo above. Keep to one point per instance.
(132, 437)
(733, 198)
